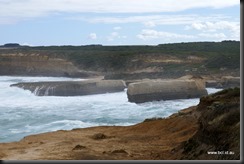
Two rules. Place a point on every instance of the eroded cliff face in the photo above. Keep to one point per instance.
(113, 64)
(158, 65)
(218, 137)
(38, 65)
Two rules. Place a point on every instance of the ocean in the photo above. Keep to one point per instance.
(22, 113)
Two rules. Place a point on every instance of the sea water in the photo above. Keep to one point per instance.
(22, 113)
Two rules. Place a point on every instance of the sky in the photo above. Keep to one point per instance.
(117, 22)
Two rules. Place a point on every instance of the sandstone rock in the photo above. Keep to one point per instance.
(224, 82)
(156, 90)
(73, 88)
(212, 83)
(230, 81)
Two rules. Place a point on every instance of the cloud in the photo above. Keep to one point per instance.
(233, 28)
(154, 20)
(213, 26)
(27, 44)
(117, 28)
(115, 35)
(93, 36)
(215, 36)
(148, 34)
(17, 10)
(150, 24)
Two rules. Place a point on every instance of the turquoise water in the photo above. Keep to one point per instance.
(22, 113)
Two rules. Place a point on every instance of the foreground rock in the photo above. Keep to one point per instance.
(155, 90)
(230, 81)
(213, 125)
(73, 88)
(219, 121)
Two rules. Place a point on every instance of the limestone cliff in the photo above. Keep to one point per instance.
(38, 65)
(125, 62)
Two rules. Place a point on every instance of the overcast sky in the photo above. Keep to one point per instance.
(117, 22)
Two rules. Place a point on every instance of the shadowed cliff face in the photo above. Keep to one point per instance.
(38, 65)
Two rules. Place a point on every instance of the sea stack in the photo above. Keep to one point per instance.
(73, 88)
(156, 90)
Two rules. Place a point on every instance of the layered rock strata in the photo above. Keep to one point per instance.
(39, 65)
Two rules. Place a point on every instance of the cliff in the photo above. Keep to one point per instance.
(218, 137)
(39, 65)
(125, 62)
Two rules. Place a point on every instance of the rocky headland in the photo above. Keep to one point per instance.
(150, 73)
(191, 134)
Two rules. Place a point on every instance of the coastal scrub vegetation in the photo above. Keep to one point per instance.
(216, 55)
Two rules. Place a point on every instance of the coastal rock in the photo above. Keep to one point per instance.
(230, 81)
(155, 90)
(218, 117)
(73, 88)
(224, 82)
(213, 84)
(39, 65)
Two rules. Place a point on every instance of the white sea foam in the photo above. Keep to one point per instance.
(23, 113)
